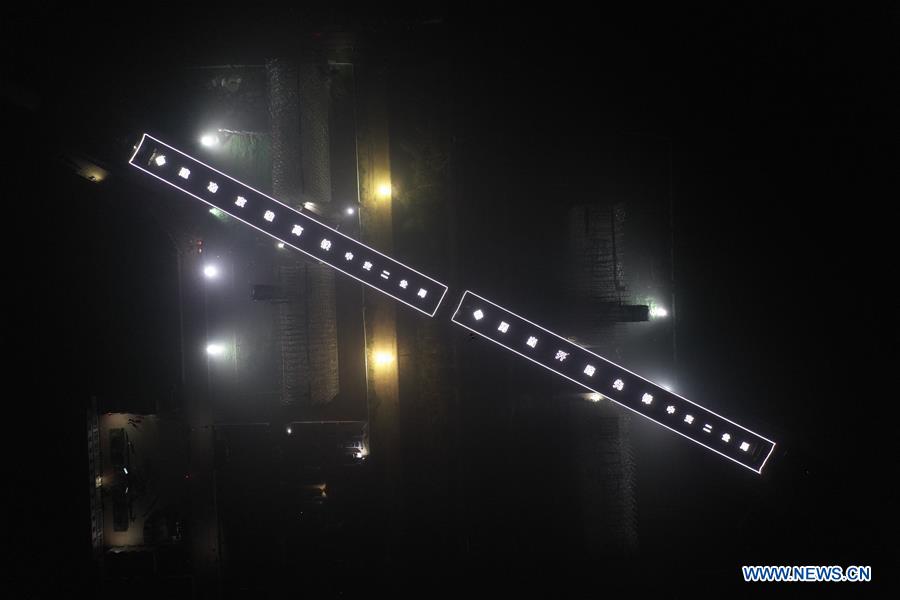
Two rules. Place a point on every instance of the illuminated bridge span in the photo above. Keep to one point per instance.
(288, 225)
(515, 333)
(555, 353)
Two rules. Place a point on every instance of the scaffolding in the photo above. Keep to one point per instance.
(306, 325)
(600, 301)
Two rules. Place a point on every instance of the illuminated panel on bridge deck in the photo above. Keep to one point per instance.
(620, 385)
(296, 229)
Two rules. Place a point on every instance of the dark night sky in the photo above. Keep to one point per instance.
(784, 160)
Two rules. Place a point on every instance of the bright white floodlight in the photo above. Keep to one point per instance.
(350, 210)
(478, 315)
(211, 271)
(209, 140)
(215, 350)
(160, 160)
(658, 312)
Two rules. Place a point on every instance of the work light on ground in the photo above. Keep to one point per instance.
(209, 140)
(383, 191)
(383, 358)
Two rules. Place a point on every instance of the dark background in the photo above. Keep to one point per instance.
(784, 159)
